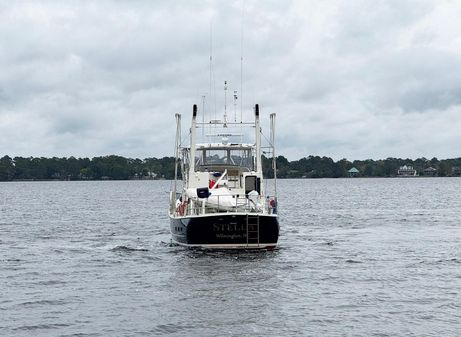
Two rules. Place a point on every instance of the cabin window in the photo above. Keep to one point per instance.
(225, 157)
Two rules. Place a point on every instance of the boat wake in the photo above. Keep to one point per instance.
(128, 249)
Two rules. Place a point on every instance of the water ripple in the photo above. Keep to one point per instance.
(357, 257)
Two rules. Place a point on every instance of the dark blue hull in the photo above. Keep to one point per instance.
(226, 231)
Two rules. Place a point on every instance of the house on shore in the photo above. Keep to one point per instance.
(430, 172)
(406, 171)
(456, 171)
(353, 172)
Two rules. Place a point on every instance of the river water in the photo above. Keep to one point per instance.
(357, 257)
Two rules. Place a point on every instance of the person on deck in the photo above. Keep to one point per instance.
(273, 204)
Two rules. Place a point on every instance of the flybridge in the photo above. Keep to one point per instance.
(220, 145)
(219, 122)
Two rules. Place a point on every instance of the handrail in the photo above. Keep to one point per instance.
(198, 206)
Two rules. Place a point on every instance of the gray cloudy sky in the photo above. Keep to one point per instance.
(347, 78)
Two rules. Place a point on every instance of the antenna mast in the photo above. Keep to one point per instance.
(203, 117)
(235, 106)
(241, 65)
(225, 104)
(211, 71)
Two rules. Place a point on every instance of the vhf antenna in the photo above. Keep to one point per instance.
(225, 104)
(235, 106)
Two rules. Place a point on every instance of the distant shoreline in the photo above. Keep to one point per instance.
(146, 180)
(120, 168)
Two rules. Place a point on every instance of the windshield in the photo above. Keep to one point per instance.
(225, 157)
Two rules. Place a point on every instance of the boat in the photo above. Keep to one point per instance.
(220, 201)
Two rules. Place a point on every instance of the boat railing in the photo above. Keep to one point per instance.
(222, 204)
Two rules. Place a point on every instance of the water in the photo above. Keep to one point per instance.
(357, 257)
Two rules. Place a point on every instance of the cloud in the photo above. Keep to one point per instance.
(355, 79)
(420, 80)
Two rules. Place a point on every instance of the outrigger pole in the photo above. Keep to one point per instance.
(258, 140)
(192, 141)
(274, 158)
(176, 149)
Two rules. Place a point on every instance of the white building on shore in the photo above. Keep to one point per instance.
(406, 171)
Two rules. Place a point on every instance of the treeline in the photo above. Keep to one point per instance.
(121, 168)
(325, 167)
(98, 168)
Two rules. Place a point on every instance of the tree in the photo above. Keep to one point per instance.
(7, 169)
